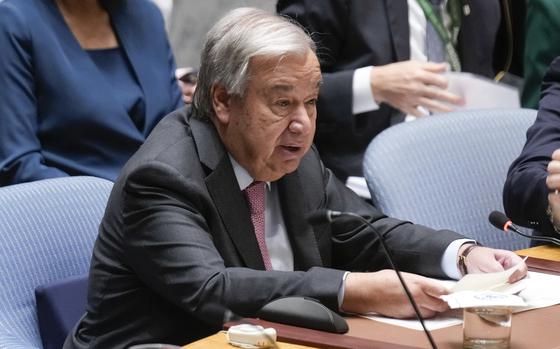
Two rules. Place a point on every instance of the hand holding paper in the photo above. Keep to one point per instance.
(498, 281)
(488, 260)
(490, 289)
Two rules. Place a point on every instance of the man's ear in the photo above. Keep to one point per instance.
(221, 102)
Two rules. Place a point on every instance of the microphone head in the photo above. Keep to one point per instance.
(498, 219)
(319, 217)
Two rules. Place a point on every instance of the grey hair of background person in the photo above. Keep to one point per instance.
(240, 35)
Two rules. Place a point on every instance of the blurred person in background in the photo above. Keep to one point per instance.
(530, 194)
(83, 84)
(383, 59)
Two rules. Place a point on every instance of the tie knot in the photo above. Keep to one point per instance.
(255, 196)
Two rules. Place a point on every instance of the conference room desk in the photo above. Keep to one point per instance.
(537, 328)
(551, 253)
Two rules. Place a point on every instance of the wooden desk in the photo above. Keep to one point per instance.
(219, 341)
(543, 252)
(537, 328)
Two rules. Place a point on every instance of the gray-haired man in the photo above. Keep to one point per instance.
(209, 215)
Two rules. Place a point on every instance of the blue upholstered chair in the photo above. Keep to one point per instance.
(447, 171)
(47, 231)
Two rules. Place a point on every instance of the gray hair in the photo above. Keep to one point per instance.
(241, 34)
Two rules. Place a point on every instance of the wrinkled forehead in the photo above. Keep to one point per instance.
(283, 72)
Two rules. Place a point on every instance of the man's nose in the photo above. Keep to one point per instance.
(301, 121)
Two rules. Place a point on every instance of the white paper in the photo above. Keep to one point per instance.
(489, 281)
(482, 93)
(469, 299)
(447, 319)
(478, 92)
(541, 290)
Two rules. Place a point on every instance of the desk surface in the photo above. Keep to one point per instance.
(219, 341)
(544, 252)
(538, 328)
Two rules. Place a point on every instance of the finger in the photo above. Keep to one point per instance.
(427, 313)
(434, 289)
(435, 67)
(508, 259)
(553, 181)
(411, 110)
(556, 155)
(442, 95)
(554, 201)
(518, 274)
(435, 106)
(553, 167)
(433, 79)
(433, 303)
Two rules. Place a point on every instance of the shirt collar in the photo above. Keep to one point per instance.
(244, 179)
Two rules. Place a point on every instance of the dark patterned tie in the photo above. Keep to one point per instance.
(435, 49)
(255, 197)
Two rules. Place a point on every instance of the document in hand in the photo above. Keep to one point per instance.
(497, 282)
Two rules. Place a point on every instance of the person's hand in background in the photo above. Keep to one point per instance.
(410, 84)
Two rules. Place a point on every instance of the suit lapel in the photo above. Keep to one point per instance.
(400, 34)
(224, 190)
(133, 48)
(302, 238)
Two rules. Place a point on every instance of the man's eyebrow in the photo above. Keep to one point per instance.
(282, 87)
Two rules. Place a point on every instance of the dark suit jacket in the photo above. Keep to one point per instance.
(176, 246)
(525, 190)
(351, 34)
(58, 113)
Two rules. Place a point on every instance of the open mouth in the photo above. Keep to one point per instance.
(291, 149)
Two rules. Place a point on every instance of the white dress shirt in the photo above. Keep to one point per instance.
(362, 97)
(278, 243)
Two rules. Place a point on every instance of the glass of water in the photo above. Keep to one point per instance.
(486, 327)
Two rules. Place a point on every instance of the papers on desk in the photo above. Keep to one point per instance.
(539, 290)
(479, 92)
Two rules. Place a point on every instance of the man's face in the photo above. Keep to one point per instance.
(269, 130)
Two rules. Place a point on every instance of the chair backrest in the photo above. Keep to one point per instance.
(47, 231)
(447, 171)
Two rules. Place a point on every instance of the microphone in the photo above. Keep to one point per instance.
(502, 222)
(324, 216)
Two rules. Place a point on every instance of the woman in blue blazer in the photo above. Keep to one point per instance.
(82, 84)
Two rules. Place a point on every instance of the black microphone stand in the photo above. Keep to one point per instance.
(393, 266)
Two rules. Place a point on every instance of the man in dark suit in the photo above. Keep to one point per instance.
(392, 36)
(531, 190)
(210, 214)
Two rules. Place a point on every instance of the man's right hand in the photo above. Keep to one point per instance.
(381, 292)
(410, 84)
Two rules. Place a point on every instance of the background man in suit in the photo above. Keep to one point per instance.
(211, 213)
(530, 192)
(374, 57)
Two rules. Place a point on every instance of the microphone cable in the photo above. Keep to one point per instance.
(320, 216)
